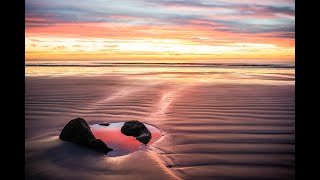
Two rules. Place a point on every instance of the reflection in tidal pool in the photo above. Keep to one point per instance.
(120, 143)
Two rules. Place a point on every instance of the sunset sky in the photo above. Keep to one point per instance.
(160, 30)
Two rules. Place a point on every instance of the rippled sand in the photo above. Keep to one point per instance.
(212, 129)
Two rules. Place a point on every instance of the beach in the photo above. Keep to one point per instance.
(225, 122)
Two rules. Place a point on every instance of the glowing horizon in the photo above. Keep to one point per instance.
(165, 30)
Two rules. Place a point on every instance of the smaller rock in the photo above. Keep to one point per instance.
(104, 124)
(133, 128)
(136, 129)
(144, 138)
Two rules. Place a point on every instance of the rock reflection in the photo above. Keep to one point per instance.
(120, 143)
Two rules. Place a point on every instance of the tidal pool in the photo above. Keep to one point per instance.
(120, 143)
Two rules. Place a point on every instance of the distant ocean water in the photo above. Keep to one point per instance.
(274, 73)
(156, 64)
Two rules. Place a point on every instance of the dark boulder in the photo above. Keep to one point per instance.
(78, 131)
(138, 130)
(99, 145)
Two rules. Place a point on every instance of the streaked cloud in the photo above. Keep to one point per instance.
(161, 27)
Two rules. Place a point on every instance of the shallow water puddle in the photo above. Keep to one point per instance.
(120, 143)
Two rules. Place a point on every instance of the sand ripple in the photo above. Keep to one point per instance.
(211, 131)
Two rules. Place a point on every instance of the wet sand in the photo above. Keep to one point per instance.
(211, 129)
